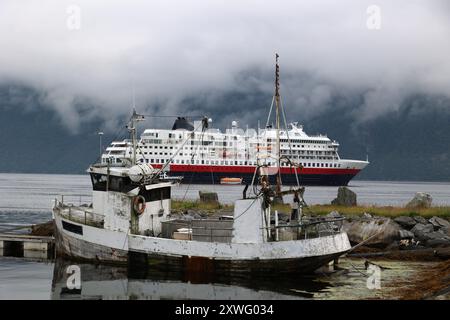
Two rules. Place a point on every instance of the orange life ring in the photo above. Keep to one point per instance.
(139, 205)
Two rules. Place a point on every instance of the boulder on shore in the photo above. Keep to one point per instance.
(405, 234)
(439, 223)
(406, 222)
(334, 215)
(421, 231)
(345, 197)
(206, 196)
(192, 213)
(360, 230)
(420, 219)
(420, 200)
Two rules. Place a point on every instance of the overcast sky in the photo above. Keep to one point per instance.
(172, 50)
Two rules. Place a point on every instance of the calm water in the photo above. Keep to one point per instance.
(27, 198)
(20, 279)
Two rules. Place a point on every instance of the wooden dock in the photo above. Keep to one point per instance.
(27, 246)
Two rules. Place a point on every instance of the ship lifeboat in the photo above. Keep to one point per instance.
(231, 181)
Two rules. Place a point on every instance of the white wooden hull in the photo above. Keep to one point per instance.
(97, 244)
(94, 244)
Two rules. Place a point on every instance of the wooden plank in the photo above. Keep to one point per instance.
(24, 238)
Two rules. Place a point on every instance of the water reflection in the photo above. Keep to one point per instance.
(112, 282)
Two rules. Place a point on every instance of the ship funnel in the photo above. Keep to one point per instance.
(182, 123)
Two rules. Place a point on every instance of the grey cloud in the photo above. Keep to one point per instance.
(170, 51)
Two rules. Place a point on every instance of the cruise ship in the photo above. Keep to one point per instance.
(205, 156)
(202, 154)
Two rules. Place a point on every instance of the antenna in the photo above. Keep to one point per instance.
(134, 98)
(132, 128)
(277, 109)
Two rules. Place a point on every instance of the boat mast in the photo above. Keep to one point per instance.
(132, 128)
(277, 109)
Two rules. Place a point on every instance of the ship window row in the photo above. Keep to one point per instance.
(307, 152)
(285, 149)
(224, 144)
(295, 146)
(315, 157)
(302, 141)
(284, 152)
(241, 163)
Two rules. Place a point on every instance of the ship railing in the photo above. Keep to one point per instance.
(79, 213)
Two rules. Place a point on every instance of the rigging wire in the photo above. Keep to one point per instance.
(190, 136)
(172, 116)
(248, 208)
(289, 141)
(188, 186)
(193, 154)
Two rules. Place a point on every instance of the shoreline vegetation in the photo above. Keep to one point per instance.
(359, 210)
(430, 284)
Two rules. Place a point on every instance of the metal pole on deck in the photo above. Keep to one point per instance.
(299, 218)
(100, 134)
(276, 225)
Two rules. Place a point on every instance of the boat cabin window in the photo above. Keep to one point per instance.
(98, 182)
(119, 184)
(156, 194)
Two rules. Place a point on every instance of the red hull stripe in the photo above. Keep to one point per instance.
(250, 169)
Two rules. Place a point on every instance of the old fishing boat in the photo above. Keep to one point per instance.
(130, 222)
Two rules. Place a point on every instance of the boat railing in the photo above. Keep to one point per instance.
(206, 230)
(76, 198)
(308, 229)
(80, 214)
(214, 230)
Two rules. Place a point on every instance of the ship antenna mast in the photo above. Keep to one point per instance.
(277, 109)
(132, 128)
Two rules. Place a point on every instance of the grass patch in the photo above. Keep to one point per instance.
(388, 211)
(197, 205)
(285, 208)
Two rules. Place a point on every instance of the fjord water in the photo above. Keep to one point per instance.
(26, 199)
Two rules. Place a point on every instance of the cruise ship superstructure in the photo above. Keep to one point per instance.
(209, 154)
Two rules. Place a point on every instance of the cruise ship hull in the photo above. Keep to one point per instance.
(307, 177)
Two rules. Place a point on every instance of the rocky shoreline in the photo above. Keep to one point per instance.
(401, 236)
(402, 232)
